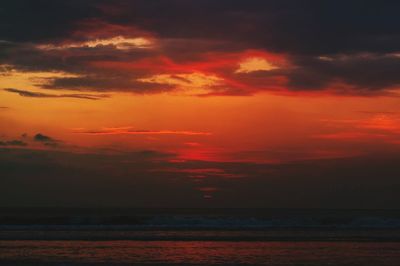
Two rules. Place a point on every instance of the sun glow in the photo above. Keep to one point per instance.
(194, 82)
(255, 64)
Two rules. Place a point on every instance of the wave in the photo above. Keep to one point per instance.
(184, 222)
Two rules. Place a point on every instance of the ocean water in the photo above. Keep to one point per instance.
(33, 252)
(199, 237)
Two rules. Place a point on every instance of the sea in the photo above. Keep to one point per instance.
(165, 236)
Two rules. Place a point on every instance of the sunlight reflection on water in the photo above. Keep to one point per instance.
(198, 253)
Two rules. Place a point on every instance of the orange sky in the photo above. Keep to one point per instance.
(215, 128)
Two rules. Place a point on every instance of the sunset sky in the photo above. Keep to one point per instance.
(200, 103)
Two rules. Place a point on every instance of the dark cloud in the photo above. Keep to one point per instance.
(46, 140)
(30, 57)
(189, 31)
(82, 63)
(30, 21)
(309, 26)
(12, 143)
(25, 93)
(306, 27)
(363, 72)
(74, 179)
(107, 83)
(152, 179)
(43, 138)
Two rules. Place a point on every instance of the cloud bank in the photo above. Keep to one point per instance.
(248, 46)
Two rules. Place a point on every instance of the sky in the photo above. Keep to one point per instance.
(152, 103)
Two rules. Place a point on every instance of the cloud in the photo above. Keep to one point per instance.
(351, 136)
(83, 179)
(131, 131)
(289, 26)
(360, 72)
(255, 64)
(46, 140)
(33, 23)
(13, 143)
(31, 94)
(119, 42)
(206, 173)
(191, 83)
(136, 46)
(377, 128)
(43, 138)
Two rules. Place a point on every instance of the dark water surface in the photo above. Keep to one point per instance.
(198, 253)
(199, 237)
